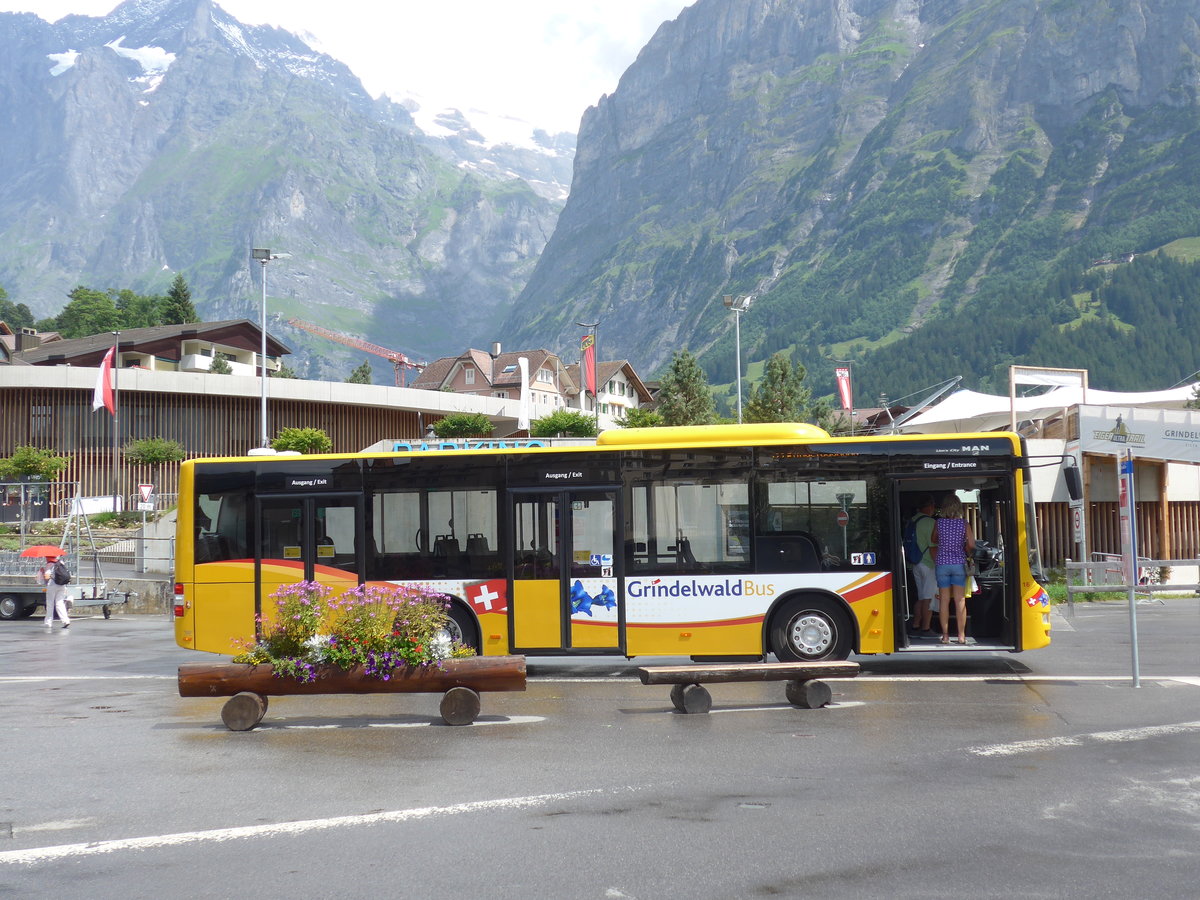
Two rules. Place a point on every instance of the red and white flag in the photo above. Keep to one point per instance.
(103, 395)
(845, 390)
(588, 346)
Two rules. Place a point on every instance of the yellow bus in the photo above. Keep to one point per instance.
(715, 542)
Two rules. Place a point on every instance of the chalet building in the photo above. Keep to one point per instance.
(479, 373)
(618, 389)
(552, 385)
(165, 389)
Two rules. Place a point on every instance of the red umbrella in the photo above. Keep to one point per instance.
(43, 550)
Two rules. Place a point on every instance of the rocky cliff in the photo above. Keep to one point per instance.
(866, 168)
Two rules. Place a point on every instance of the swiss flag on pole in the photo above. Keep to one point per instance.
(845, 389)
(103, 395)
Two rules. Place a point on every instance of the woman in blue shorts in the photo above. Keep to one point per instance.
(954, 540)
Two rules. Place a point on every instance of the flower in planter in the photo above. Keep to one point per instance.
(381, 628)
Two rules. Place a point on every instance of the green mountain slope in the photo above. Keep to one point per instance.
(920, 187)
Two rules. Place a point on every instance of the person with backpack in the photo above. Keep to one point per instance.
(918, 538)
(55, 577)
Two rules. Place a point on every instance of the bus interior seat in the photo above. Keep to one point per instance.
(211, 547)
(446, 545)
(683, 553)
(477, 544)
(796, 552)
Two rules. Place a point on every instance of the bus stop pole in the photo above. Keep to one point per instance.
(1133, 640)
(1128, 521)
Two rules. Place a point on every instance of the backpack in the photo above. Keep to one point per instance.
(913, 551)
(61, 575)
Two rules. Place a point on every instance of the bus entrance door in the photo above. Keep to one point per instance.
(308, 538)
(565, 591)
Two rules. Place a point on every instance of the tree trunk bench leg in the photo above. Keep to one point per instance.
(809, 693)
(243, 711)
(460, 706)
(691, 698)
(677, 696)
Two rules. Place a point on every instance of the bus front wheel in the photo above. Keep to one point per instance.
(809, 629)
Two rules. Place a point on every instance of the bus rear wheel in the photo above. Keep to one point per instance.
(462, 627)
(809, 629)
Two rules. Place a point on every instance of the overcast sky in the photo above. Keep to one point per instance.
(544, 61)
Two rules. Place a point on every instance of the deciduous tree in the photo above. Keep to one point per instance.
(563, 423)
(303, 440)
(28, 460)
(458, 425)
(640, 418)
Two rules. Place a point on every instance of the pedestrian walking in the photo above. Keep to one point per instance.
(55, 577)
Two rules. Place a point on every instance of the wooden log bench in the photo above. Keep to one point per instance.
(460, 681)
(804, 687)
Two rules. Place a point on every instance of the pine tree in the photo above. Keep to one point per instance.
(361, 375)
(178, 308)
(781, 396)
(684, 397)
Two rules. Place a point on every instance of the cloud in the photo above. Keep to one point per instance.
(544, 61)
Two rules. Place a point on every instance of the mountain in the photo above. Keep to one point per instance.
(928, 188)
(167, 136)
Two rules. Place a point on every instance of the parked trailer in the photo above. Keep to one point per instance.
(19, 599)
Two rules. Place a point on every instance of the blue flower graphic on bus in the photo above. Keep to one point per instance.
(582, 601)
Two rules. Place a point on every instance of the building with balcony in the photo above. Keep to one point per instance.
(165, 389)
(552, 384)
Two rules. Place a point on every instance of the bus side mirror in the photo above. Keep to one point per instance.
(1074, 479)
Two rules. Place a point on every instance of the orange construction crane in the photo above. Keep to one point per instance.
(398, 359)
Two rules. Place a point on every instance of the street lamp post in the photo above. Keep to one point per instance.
(264, 257)
(594, 327)
(739, 305)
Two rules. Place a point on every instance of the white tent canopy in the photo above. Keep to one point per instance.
(972, 411)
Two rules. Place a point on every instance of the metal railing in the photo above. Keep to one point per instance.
(1107, 575)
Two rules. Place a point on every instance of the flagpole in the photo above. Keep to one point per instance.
(116, 410)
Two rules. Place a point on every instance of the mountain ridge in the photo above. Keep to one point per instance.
(216, 137)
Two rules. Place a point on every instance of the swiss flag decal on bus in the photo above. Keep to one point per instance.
(488, 596)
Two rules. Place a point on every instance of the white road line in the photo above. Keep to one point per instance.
(282, 829)
(1095, 737)
(62, 825)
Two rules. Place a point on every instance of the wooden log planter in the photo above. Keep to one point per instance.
(804, 687)
(459, 680)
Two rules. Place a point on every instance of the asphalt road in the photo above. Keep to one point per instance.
(942, 775)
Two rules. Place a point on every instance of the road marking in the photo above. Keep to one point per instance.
(63, 825)
(1095, 737)
(282, 829)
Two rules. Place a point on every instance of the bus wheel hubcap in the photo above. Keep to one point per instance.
(812, 634)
